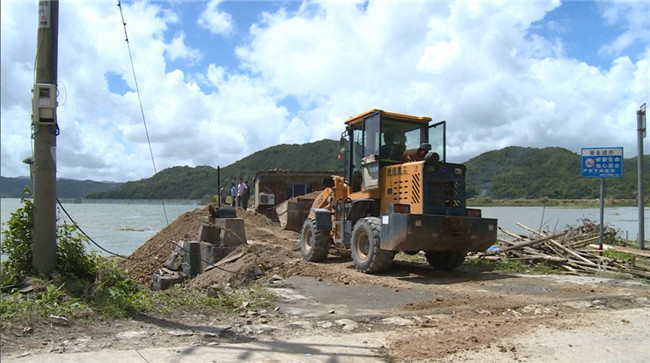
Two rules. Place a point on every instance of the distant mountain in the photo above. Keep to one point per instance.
(65, 188)
(510, 173)
(552, 172)
(184, 182)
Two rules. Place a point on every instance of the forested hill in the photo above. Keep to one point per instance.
(552, 172)
(65, 188)
(510, 173)
(184, 182)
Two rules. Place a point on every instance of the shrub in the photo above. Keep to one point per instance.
(17, 244)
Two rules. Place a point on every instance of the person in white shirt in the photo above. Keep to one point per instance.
(241, 191)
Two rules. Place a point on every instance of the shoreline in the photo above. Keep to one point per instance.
(545, 202)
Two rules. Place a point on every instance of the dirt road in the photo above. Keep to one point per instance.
(329, 312)
(422, 315)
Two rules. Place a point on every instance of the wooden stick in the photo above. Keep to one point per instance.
(525, 244)
(584, 242)
(530, 229)
(511, 234)
(559, 245)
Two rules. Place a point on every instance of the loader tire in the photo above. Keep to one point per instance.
(445, 260)
(314, 244)
(367, 255)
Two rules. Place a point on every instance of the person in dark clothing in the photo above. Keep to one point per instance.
(246, 195)
(393, 146)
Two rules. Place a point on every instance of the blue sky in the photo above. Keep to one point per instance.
(220, 80)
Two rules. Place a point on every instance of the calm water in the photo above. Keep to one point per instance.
(122, 228)
(625, 219)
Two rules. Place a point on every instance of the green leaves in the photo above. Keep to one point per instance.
(71, 255)
(17, 244)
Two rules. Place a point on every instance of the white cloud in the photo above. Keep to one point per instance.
(474, 64)
(179, 50)
(631, 16)
(216, 21)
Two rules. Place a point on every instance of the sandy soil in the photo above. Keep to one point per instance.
(411, 313)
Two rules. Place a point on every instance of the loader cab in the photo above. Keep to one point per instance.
(376, 138)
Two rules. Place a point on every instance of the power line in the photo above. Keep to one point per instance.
(137, 90)
(142, 257)
(154, 168)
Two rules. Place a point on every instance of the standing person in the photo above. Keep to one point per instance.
(222, 196)
(247, 194)
(233, 195)
(241, 188)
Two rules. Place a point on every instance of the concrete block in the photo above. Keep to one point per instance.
(197, 256)
(192, 258)
(165, 281)
(234, 233)
(175, 258)
(210, 233)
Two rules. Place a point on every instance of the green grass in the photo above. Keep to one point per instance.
(504, 264)
(52, 298)
(86, 286)
(507, 265)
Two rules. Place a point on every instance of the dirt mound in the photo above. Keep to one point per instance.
(246, 264)
(144, 261)
(270, 247)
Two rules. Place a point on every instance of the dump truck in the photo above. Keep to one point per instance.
(398, 193)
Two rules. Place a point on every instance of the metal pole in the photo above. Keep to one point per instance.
(219, 201)
(640, 128)
(45, 130)
(602, 212)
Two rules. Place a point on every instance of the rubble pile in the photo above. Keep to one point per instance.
(146, 259)
(573, 249)
(197, 247)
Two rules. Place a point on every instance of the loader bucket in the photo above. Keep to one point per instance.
(293, 212)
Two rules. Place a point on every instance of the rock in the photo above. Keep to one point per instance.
(347, 324)
(300, 324)
(218, 290)
(399, 321)
(276, 280)
(58, 320)
(324, 324)
(128, 335)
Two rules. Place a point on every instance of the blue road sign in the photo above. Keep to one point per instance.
(602, 162)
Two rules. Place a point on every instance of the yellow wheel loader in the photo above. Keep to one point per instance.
(398, 194)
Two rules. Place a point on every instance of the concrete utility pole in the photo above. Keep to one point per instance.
(45, 131)
(641, 132)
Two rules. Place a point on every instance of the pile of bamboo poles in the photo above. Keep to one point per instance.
(572, 250)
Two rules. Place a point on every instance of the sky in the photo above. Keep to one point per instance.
(220, 80)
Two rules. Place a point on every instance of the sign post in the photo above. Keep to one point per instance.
(641, 132)
(602, 162)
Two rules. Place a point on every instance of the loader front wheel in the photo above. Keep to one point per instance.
(445, 260)
(367, 255)
(314, 244)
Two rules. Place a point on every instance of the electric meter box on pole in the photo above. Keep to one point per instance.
(44, 103)
(602, 162)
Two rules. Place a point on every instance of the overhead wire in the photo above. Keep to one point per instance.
(161, 247)
(154, 168)
(137, 90)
